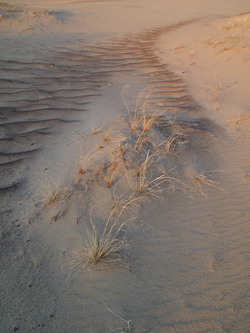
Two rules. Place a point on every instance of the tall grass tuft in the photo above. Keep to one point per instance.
(102, 249)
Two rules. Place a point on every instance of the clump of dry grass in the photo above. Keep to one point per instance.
(143, 159)
(133, 116)
(146, 118)
(145, 184)
(110, 135)
(85, 161)
(140, 118)
(104, 247)
(51, 193)
(144, 139)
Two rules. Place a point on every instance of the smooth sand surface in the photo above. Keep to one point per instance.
(70, 74)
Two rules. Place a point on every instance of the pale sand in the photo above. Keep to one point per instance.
(63, 67)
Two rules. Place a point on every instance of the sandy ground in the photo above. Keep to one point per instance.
(70, 77)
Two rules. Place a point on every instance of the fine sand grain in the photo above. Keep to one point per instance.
(125, 166)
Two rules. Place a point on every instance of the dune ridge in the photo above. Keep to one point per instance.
(83, 123)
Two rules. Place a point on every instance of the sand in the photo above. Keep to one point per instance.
(71, 74)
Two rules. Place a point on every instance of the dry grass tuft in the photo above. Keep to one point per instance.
(104, 247)
(145, 184)
(110, 135)
(146, 118)
(85, 161)
(133, 116)
(51, 193)
(143, 139)
(140, 117)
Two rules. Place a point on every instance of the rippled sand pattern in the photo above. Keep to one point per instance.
(39, 97)
(189, 269)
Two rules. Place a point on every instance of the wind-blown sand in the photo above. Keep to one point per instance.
(69, 72)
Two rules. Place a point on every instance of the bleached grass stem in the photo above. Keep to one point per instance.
(129, 328)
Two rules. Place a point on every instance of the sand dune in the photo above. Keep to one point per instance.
(125, 122)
